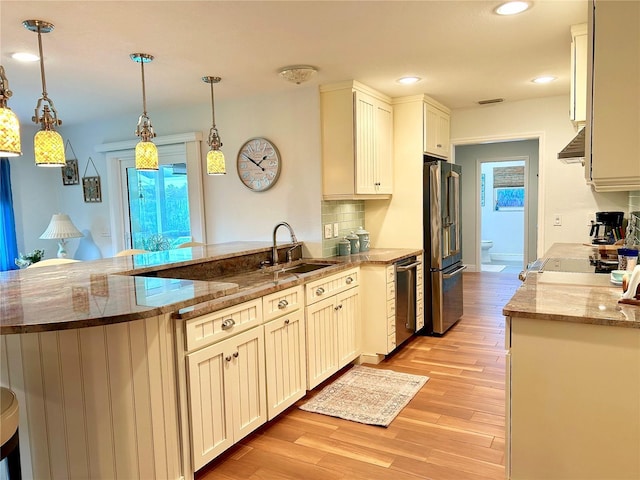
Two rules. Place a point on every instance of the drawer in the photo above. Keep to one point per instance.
(391, 274)
(419, 274)
(325, 287)
(391, 342)
(391, 307)
(419, 308)
(419, 293)
(391, 325)
(391, 290)
(419, 321)
(212, 327)
(280, 303)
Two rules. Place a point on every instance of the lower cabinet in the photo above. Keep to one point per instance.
(333, 325)
(285, 362)
(227, 395)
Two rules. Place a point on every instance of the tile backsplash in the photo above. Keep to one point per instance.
(348, 214)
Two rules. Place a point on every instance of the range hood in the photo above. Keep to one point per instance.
(574, 151)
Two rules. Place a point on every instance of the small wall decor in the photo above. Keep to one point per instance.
(91, 185)
(70, 170)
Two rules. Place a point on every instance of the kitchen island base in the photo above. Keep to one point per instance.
(98, 402)
(573, 400)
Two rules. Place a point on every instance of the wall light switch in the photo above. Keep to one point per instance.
(336, 230)
(557, 220)
(328, 231)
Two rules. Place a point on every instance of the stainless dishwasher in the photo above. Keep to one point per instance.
(405, 298)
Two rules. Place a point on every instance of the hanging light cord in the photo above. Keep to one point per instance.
(144, 129)
(49, 117)
(214, 137)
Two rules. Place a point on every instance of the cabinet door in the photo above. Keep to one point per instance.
(249, 387)
(384, 148)
(210, 400)
(365, 148)
(436, 131)
(348, 325)
(285, 362)
(322, 344)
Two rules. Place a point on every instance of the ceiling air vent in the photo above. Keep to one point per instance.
(491, 100)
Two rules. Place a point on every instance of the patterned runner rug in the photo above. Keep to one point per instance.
(367, 395)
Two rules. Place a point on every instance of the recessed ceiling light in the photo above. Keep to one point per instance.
(544, 79)
(408, 80)
(512, 8)
(25, 57)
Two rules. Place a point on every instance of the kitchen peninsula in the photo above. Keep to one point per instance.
(573, 376)
(100, 353)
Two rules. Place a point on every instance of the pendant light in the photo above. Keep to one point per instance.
(146, 151)
(215, 157)
(9, 124)
(48, 146)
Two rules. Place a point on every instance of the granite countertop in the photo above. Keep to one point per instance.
(588, 298)
(112, 290)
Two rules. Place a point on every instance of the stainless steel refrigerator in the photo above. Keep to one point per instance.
(442, 245)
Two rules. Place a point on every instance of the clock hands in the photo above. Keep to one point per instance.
(253, 161)
(263, 159)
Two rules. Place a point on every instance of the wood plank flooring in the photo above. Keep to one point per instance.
(453, 428)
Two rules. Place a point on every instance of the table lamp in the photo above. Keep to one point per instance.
(61, 227)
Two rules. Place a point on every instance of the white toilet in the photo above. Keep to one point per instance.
(485, 245)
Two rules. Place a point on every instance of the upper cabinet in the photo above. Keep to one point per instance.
(436, 128)
(612, 147)
(357, 142)
(579, 47)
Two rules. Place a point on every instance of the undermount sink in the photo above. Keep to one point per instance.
(306, 267)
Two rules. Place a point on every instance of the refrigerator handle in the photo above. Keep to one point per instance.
(456, 272)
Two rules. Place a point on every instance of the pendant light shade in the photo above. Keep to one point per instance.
(48, 145)
(215, 157)
(9, 124)
(146, 151)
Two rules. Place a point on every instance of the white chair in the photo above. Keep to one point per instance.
(130, 251)
(52, 261)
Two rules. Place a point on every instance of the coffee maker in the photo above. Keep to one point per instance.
(607, 229)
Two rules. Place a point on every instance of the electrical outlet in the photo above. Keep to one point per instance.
(557, 220)
(336, 230)
(328, 231)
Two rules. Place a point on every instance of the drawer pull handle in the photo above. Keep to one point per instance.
(320, 291)
(228, 323)
(338, 307)
(228, 358)
(349, 280)
(282, 304)
(286, 322)
(235, 355)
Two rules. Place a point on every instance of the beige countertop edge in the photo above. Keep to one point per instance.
(210, 302)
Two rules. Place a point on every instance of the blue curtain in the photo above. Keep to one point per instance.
(8, 243)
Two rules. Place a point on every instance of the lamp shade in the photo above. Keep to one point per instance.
(146, 156)
(61, 226)
(48, 149)
(9, 133)
(215, 163)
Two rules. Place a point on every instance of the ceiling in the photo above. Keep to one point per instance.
(462, 51)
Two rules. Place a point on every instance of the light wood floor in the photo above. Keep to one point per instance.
(452, 429)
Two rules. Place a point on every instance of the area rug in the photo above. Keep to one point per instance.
(493, 268)
(367, 395)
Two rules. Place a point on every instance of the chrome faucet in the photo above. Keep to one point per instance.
(274, 250)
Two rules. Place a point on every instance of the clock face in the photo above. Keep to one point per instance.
(258, 164)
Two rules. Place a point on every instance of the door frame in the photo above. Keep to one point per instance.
(540, 137)
(186, 147)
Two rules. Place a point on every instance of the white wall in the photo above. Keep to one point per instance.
(232, 212)
(563, 189)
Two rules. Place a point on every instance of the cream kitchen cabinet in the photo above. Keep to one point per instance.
(285, 349)
(224, 389)
(612, 153)
(333, 324)
(357, 142)
(579, 46)
(436, 122)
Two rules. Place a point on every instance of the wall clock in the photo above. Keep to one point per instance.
(258, 164)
